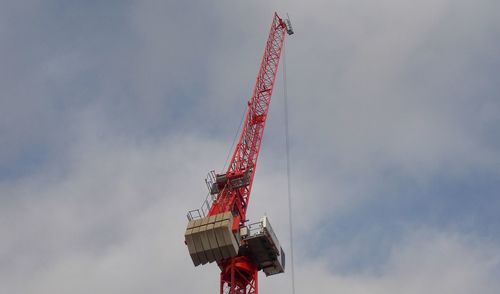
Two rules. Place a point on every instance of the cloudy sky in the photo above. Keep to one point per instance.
(112, 113)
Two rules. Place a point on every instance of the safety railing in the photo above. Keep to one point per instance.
(210, 180)
(203, 210)
(255, 229)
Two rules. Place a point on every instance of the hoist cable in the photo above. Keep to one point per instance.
(287, 146)
(234, 141)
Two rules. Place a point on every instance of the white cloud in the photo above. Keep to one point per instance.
(114, 222)
(428, 261)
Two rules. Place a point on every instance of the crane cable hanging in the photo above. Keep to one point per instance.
(234, 140)
(287, 146)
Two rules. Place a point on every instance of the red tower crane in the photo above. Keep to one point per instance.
(218, 231)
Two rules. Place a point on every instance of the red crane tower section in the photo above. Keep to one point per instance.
(218, 232)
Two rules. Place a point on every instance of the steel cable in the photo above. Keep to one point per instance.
(287, 146)
(234, 141)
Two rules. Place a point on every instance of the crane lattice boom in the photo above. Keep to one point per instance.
(246, 153)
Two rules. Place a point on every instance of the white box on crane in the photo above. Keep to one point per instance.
(259, 238)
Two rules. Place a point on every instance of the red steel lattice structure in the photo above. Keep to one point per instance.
(239, 274)
(246, 153)
(219, 233)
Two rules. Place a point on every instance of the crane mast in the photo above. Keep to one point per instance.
(218, 232)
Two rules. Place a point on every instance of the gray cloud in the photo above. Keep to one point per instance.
(111, 114)
(427, 261)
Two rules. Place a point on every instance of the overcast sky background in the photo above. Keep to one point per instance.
(112, 113)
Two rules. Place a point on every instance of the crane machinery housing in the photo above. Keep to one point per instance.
(218, 231)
